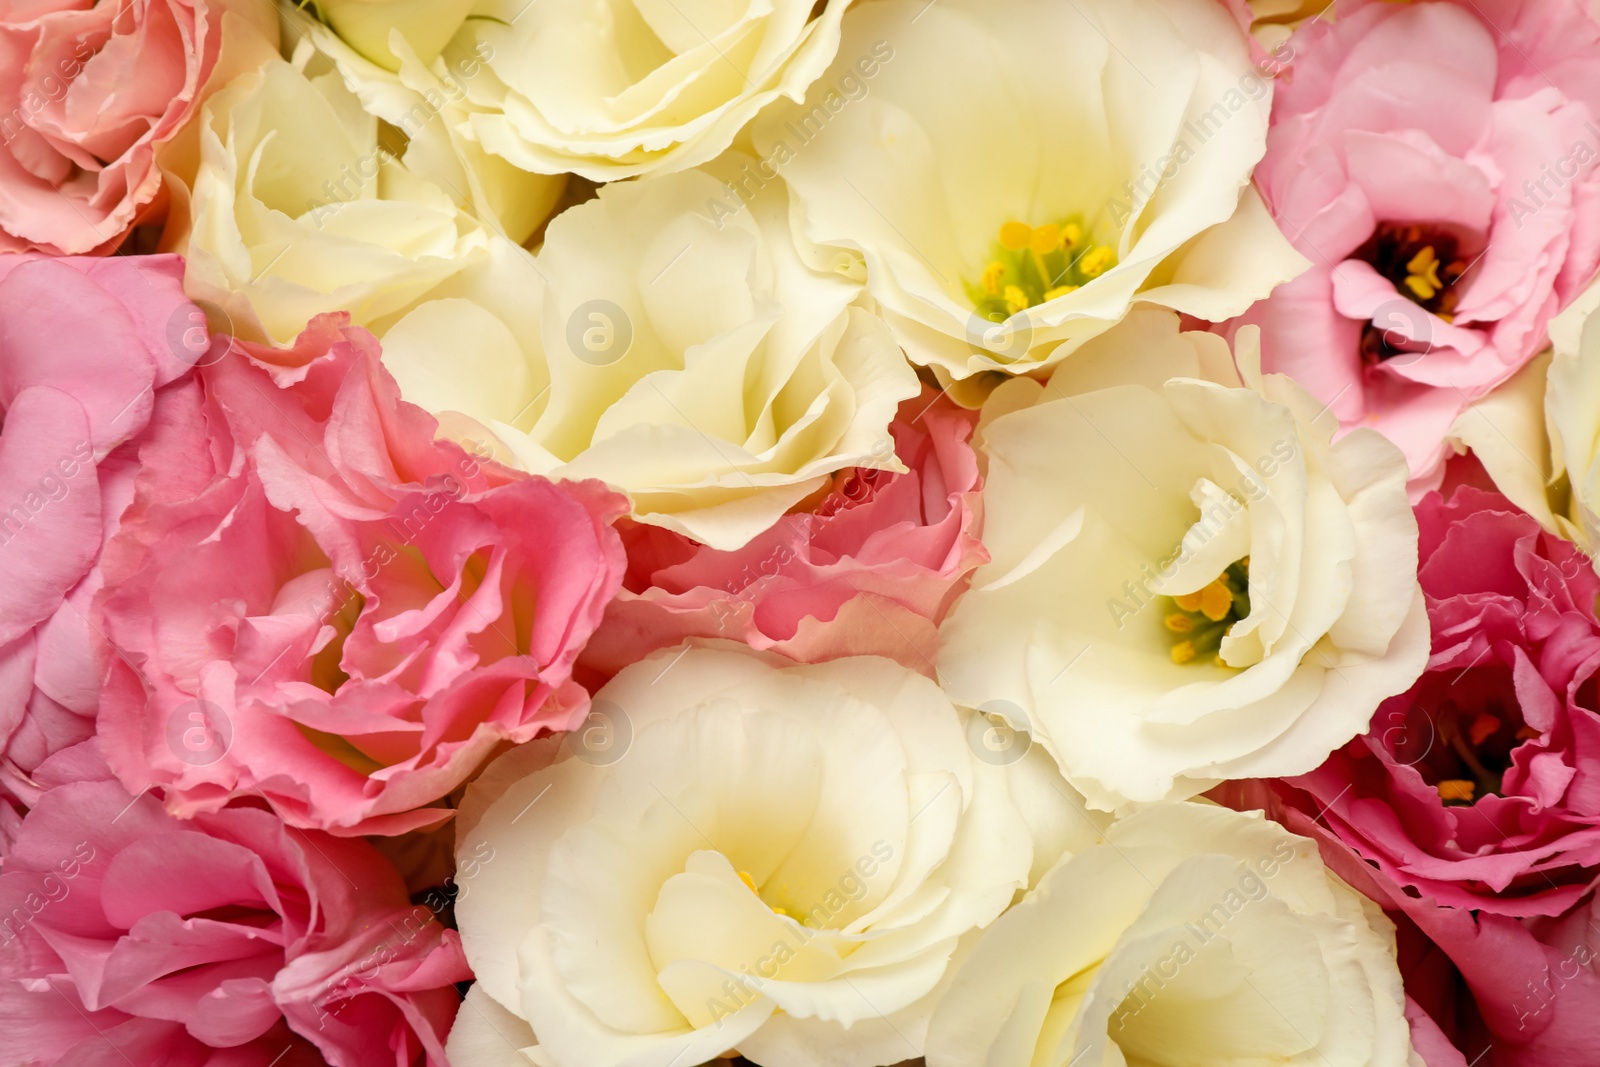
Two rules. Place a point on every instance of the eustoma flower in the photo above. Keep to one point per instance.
(607, 92)
(1435, 161)
(90, 96)
(784, 861)
(226, 938)
(1190, 581)
(1473, 788)
(1191, 934)
(868, 567)
(991, 244)
(312, 601)
(694, 362)
(303, 204)
(88, 350)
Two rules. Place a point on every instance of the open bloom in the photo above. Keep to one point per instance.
(1474, 787)
(695, 363)
(313, 601)
(604, 92)
(89, 95)
(1013, 176)
(303, 204)
(1192, 934)
(766, 856)
(88, 349)
(225, 939)
(1189, 581)
(1436, 162)
(867, 567)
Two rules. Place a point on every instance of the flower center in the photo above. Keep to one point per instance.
(1462, 749)
(750, 883)
(1425, 263)
(1032, 264)
(1202, 619)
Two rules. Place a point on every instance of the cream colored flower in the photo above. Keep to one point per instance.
(747, 854)
(1189, 581)
(304, 203)
(1538, 435)
(1194, 935)
(603, 90)
(1017, 173)
(698, 365)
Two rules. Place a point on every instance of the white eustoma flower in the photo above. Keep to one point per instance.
(742, 853)
(1538, 435)
(1191, 935)
(697, 365)
(605, 90)
(1189, 581)
(1019, 172)
(305, 203)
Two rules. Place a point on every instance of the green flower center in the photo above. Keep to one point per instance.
(1202, 619)
(1032, 264)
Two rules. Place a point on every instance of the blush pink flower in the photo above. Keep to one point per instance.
(867, 567)
(1436, 162)
(313, 601)
(88, 94)
(87, 346)
(1480, 787)
(225, 939)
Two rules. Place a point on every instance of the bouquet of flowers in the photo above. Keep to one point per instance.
(643, 533)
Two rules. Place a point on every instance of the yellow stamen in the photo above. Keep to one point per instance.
(1045, 239)
(1015, 236)
(1097, 261)
(1456, 789)
(1071, 234)
(991, 277)
(1188, 601)
(744, 876)
(1216, 600)
(1422, 274)
(1183, 652)
(1060, 290)
(1016, 299)
(1180, 624)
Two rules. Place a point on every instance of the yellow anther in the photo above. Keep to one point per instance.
(1097, 261)
(1046, 239)
(1422, 274)
(784, 912)
(1071, 234)
(1183, 652)
(1015, 235)
(1060, 290)
(1216, 600)
(1456, 789)
(1188, 601)
(1179, 623)
(1016, 299)
(744, 876)
(991, 277)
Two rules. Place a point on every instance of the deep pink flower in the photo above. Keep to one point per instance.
(86, 348)
(88, 95)
(313, 601)
(1436, 162)
(228, 939)
(1480, 787)
(866, 567)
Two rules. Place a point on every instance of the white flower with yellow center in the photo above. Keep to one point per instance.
(305, 203)
(697, 365)
(747, 854)
(607, 90)
(1191, 935)
(1190, 581)
(1020, 172)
